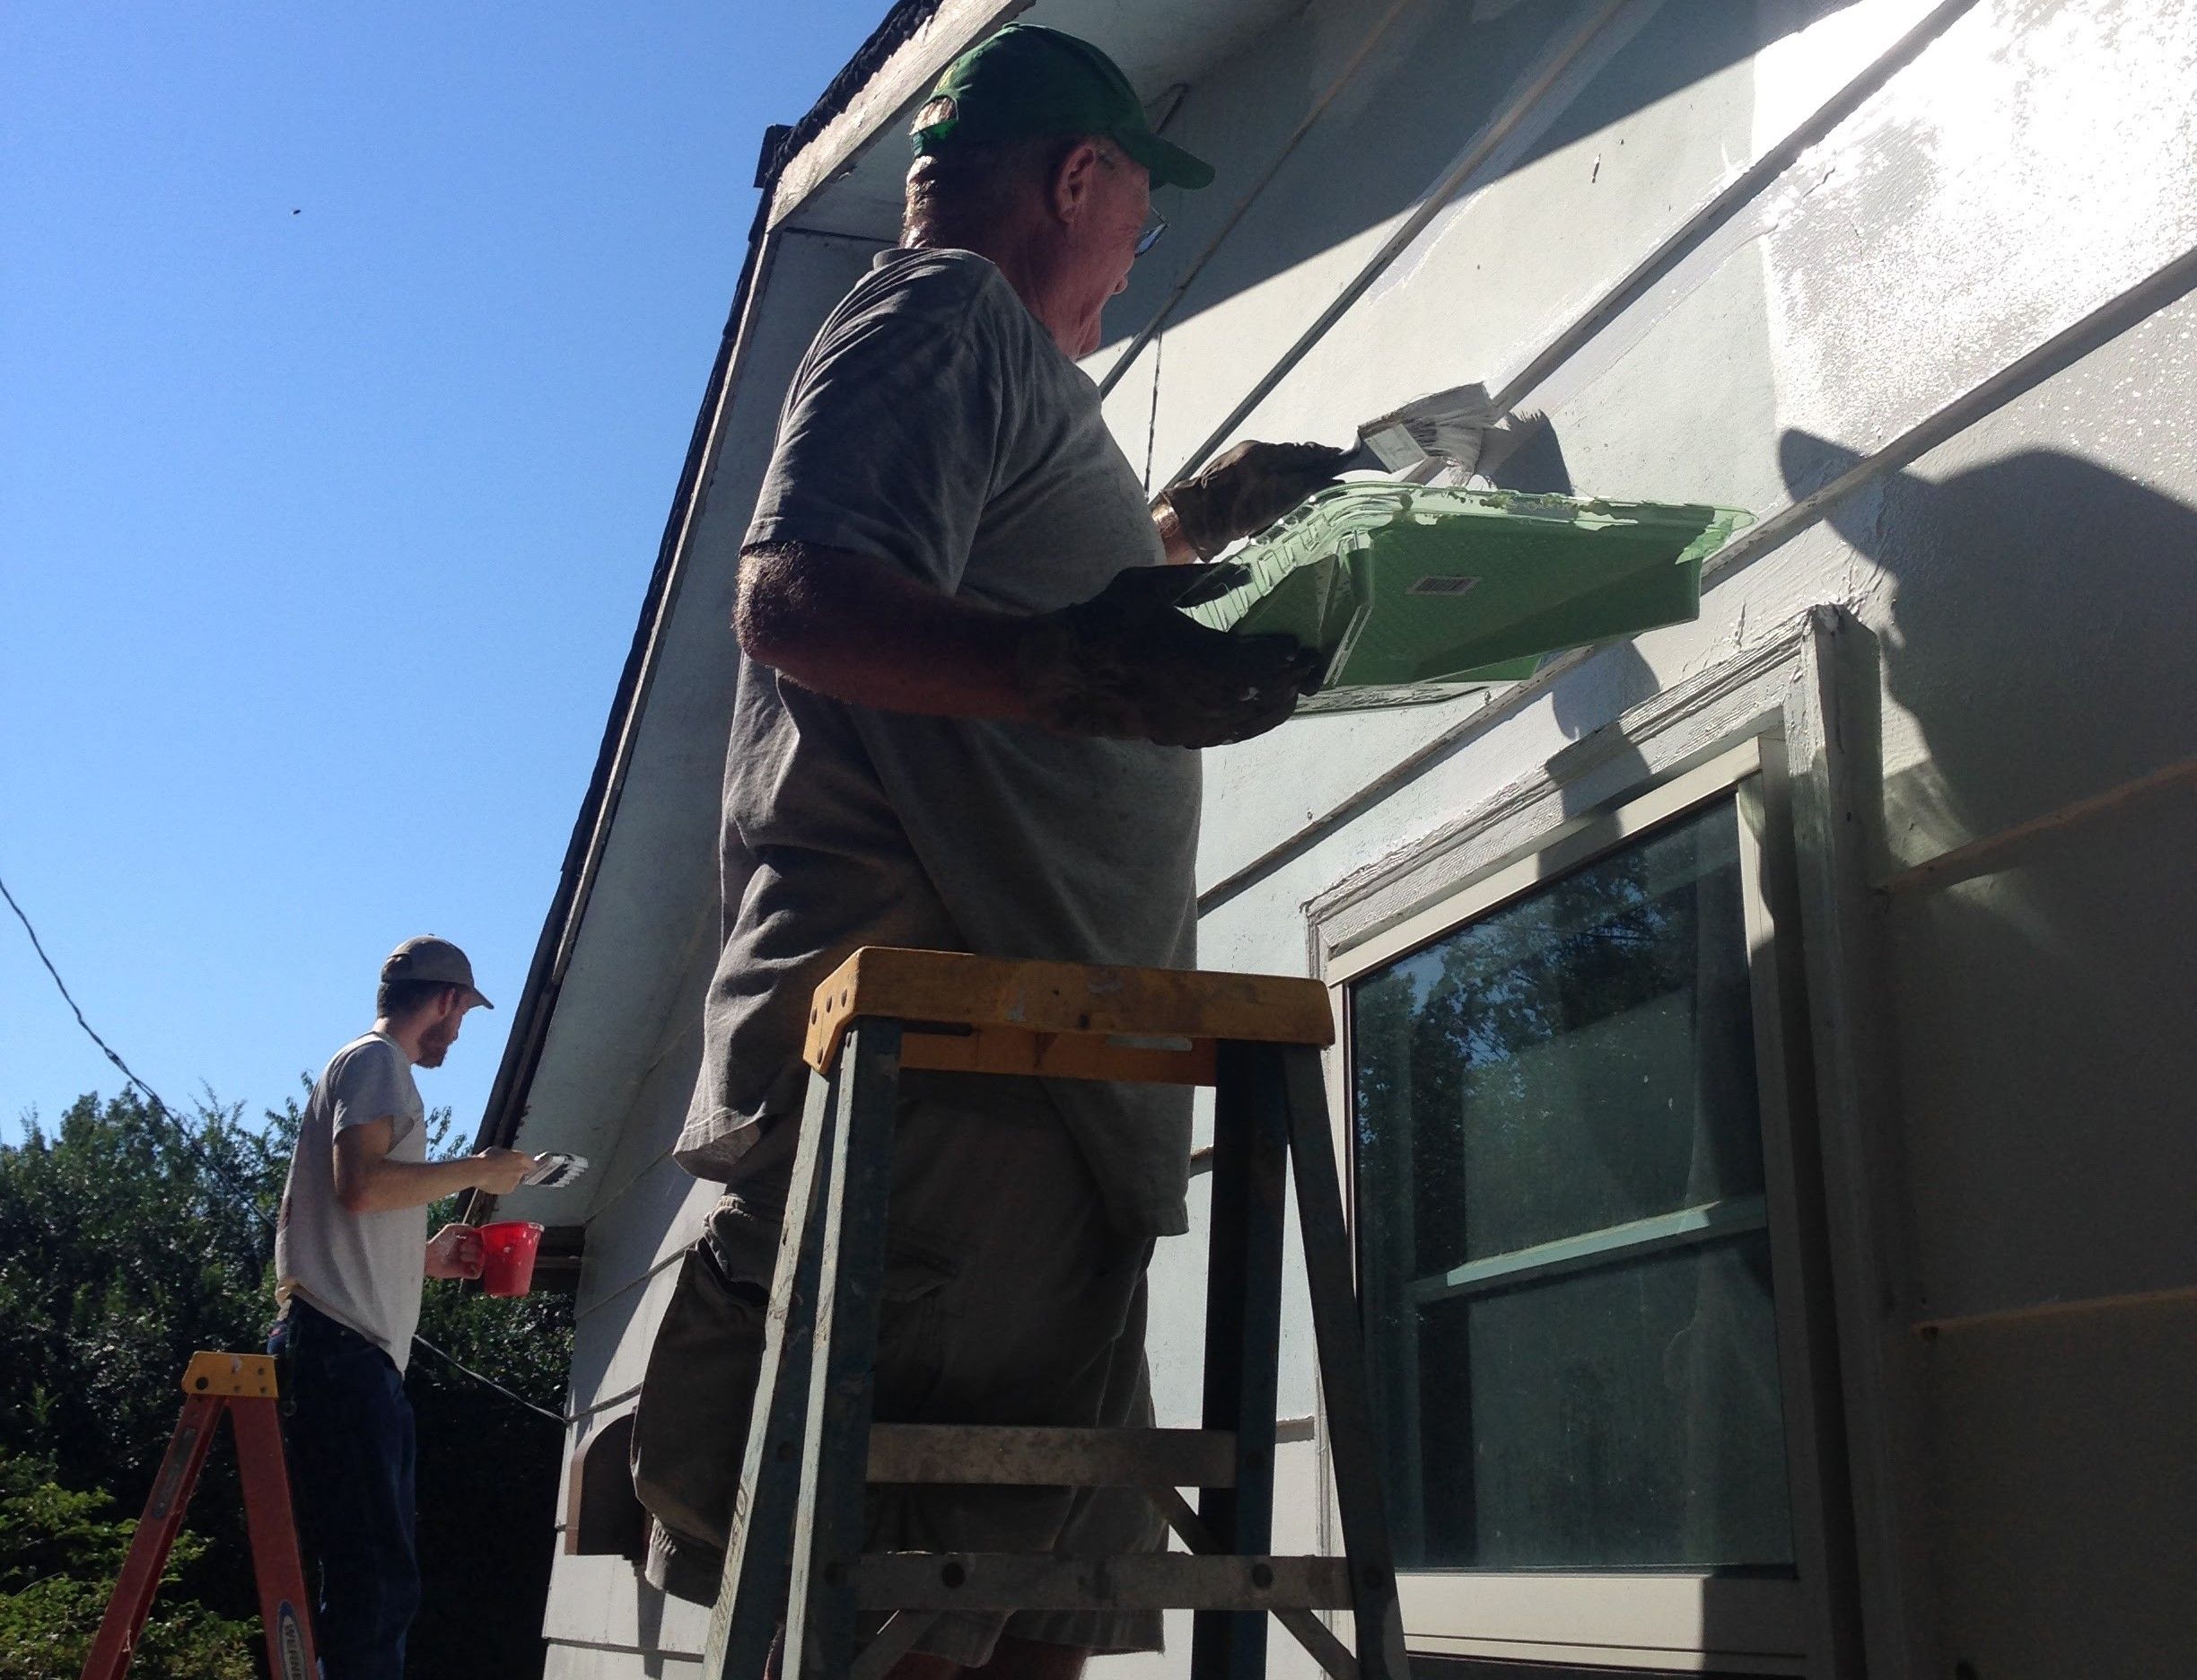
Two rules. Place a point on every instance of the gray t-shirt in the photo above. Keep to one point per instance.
(935, 424)
(363, 1269)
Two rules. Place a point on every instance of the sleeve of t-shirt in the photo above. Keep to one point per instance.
(891, 439)
(368, 1086)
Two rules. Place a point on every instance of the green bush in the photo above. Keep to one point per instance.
(60, 1551)
(130, 1238)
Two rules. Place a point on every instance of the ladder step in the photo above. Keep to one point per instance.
(1004, 1455)
(1171, 1580)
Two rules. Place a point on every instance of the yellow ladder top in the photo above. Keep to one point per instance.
(1064, 1020)
(248, 1376)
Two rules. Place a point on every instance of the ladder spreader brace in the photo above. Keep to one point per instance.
(243, 1386)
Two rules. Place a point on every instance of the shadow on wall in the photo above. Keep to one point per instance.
(1617, 678)
(2041, 628)
(1439, 75)
(2038, 653)
(648, 1603)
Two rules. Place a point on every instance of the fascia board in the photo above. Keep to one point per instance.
(894, 90)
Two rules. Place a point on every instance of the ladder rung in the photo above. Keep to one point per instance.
(1003, 1456)
(1155, 1580)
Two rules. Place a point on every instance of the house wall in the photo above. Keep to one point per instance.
(2001, 172)
(1741, 251)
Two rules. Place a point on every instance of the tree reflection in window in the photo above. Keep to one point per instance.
(1562, 1240)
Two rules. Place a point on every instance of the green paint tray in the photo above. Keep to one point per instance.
(1416, 592)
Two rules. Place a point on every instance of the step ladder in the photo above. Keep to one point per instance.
(812, 1446)
(243, 1386)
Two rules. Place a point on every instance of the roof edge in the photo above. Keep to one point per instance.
(888, 76)
(784, 142)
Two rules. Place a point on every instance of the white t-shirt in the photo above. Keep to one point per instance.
(363, 1269)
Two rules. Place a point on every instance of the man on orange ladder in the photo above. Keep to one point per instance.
(351, 1249)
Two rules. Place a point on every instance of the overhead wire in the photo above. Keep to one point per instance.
(452, 1359)
(159, 1106)
(214, 1168)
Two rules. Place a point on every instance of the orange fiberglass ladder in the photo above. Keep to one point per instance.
(242, 1385)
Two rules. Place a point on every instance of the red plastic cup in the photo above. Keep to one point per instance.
(507, 1256)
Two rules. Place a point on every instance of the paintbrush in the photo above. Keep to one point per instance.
(1449, 428)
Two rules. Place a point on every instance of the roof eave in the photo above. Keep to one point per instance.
(884, 81)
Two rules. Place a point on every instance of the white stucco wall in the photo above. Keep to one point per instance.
(2026, 581)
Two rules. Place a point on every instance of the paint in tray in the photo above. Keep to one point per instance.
(1419, 592)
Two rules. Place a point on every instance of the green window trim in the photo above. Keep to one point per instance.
(1636, 1239)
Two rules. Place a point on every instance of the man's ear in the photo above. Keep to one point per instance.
(1075, 179)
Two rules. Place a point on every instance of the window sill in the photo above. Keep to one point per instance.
(1687, 1622)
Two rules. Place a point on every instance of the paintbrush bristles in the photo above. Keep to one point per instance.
(1445, 426)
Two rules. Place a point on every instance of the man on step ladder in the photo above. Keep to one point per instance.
(966, 720)
(351, 1248)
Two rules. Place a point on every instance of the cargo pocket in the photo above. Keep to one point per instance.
(690, 1428)
(697, 1394)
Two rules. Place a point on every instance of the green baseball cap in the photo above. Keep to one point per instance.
(1028, 80)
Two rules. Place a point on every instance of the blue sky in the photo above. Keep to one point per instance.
(348, 359)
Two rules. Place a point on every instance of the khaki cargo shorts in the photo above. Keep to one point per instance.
(1008, 1297)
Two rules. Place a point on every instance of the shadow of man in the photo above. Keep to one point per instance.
(2036, 651)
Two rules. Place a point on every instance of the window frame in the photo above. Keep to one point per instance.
(1688, 1620)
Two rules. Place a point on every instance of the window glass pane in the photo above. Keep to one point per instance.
(1624, 1417)
(1559, 1182)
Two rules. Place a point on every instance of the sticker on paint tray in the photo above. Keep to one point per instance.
(1439, 585)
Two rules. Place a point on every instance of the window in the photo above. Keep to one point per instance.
(1563, 1235)
(1578, 1229)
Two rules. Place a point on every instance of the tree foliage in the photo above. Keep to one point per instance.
(129, 1239)
(59, 1549)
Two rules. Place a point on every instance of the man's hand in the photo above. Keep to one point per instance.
(1246, 490)
(454, 1252)
(1128, 666)
(499, 1170)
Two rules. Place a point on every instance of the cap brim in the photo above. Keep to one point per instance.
(1167, 165)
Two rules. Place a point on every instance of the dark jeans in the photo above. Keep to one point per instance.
(350, 1447)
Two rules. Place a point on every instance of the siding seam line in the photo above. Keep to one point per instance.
(1437, 198)
(621, 1650)
(2024, 374)
(640, 1281)
(1181, 288)
(1689, 236)
(1724, 204)
(612, 1198)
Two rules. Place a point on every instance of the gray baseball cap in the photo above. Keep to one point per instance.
(435, 960)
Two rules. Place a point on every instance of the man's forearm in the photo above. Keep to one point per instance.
(855, 628)
(388, 1185)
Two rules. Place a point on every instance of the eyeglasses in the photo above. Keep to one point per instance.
(1155, 224)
